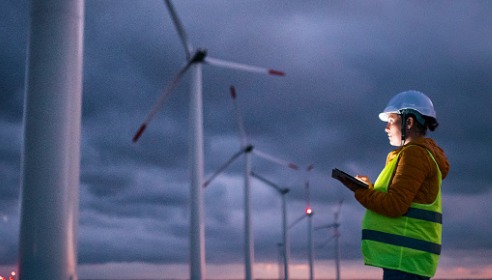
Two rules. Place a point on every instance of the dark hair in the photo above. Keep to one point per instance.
(430, 123)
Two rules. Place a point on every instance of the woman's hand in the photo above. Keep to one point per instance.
(365, 179)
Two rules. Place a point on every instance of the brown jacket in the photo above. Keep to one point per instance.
(415, 179)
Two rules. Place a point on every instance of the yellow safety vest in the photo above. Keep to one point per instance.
(410, 243)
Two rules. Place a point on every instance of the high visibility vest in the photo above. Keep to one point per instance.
(410, 243)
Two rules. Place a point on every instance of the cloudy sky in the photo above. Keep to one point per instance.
(343, 61)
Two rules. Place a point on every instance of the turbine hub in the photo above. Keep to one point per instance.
(199, 56)
(249, 148)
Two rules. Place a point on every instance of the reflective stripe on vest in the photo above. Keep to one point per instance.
(425, 215)
(410, 243)
(402, 241)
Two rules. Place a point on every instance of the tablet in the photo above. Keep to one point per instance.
(342, 176)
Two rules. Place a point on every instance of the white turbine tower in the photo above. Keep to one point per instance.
(308, 212)
(194, 60)
(50, 167)
(285, 235)
(247, 149)
(336, 234)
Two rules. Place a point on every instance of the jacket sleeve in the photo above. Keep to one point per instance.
(410, 173)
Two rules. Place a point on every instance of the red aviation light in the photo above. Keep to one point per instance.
(309, 211)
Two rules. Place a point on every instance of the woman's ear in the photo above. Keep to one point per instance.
(410, 122)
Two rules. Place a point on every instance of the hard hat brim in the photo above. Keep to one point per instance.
(384, 115)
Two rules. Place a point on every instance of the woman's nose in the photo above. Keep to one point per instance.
(386, 129)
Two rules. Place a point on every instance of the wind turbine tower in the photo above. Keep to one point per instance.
(50, 167)
(308, 212)
(336, 234)
(194, 60)
(247, 149)
(285, 235)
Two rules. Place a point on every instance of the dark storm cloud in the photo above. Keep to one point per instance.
(343, 60)
(13, 34)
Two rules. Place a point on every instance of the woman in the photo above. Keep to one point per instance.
(401, 230)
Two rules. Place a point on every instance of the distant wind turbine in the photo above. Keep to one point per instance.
(194, 60)
(309, 214)
(247, 149)
(285, 235)
(336, 234)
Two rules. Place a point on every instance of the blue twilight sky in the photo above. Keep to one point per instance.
(343, 61)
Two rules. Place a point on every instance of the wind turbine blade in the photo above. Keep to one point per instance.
(242, 131)
(306, 186)
(266, 181)
(337, 212)
(297, 221)
(308, 195)
(242, 67)
(157, 105)
(275, 160)
(224, 166)
(310, 167)
(179, 27)
(327, 226)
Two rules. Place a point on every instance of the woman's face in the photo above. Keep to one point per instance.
(393, 129)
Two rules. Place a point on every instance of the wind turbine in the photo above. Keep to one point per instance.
(194, 60)
(285, 236)
(336, 234)
(50, 162)
(309, 214)
(247, 149)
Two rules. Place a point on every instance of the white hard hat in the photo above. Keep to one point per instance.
(411, 99)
